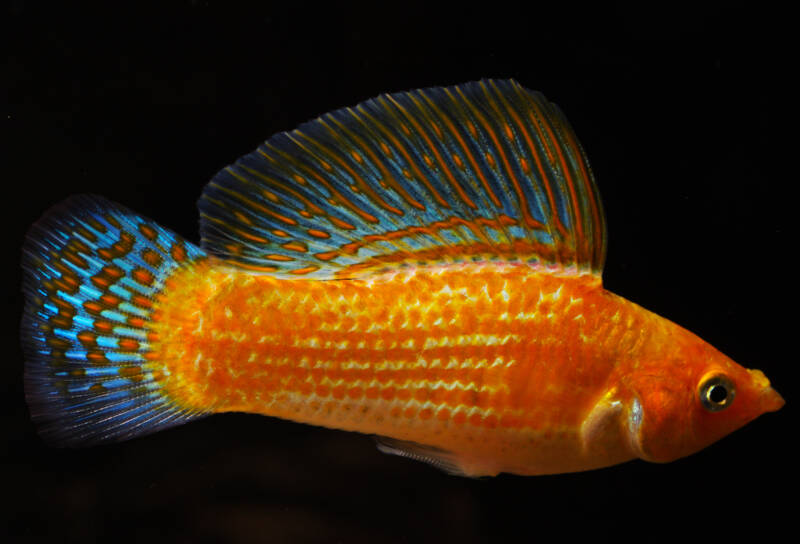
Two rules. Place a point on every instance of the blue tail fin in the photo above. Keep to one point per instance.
(91, 271)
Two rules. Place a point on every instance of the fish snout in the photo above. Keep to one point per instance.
(769, 399)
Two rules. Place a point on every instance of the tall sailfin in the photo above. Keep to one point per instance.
(485, 171)
(92, 270)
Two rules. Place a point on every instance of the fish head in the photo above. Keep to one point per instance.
(689, 397)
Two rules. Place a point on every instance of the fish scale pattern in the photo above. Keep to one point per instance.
(424, 348)
(93, 271)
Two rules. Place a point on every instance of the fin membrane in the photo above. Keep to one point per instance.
(485, 171)
(441, 459)
(91, 272)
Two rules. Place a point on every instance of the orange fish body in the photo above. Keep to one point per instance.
(482, 343)
(504, 368)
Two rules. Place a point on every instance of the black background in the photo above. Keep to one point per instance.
(677, 108)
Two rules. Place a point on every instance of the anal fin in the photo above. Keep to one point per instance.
(437, 457)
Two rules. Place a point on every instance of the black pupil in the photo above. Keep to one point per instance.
(718, 394)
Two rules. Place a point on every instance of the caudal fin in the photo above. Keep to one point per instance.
(92, 270)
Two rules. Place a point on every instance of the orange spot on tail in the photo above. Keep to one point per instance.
(110, 300)
(87, 338)
(178, 252)
(75, 259)
(131, 372)
(148, 231)
(152, 258)
(86, 233)
(103, 326)
(128, 344)
(106, 254)
(96, 225)
(142, 301)
(113, 271)
(142, 276)
(93, 307)
(113, 221)
(96, 356)
(136, 322)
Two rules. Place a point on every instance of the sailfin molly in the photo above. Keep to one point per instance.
(424, 267)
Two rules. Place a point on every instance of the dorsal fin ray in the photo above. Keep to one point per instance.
(485, 171)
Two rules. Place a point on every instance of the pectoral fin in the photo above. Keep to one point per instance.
(602, 423)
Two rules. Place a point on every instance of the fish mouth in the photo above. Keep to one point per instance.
(771, 400)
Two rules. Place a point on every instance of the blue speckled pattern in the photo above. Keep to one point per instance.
(91, 271)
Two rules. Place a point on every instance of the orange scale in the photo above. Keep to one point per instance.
(388, 393)
(363, 323)
(316, 374)
(403, 394)
(421, 395)
(306, 388)
(355, 393)
(371, 392)
(500, 399)
(338, 392)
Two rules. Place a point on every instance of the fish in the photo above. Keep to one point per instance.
(424, 267)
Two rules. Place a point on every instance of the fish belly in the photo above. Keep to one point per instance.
(495, 363)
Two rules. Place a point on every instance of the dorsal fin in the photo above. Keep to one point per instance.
(485, 171)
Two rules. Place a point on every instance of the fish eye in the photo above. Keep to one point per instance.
(717, 393)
